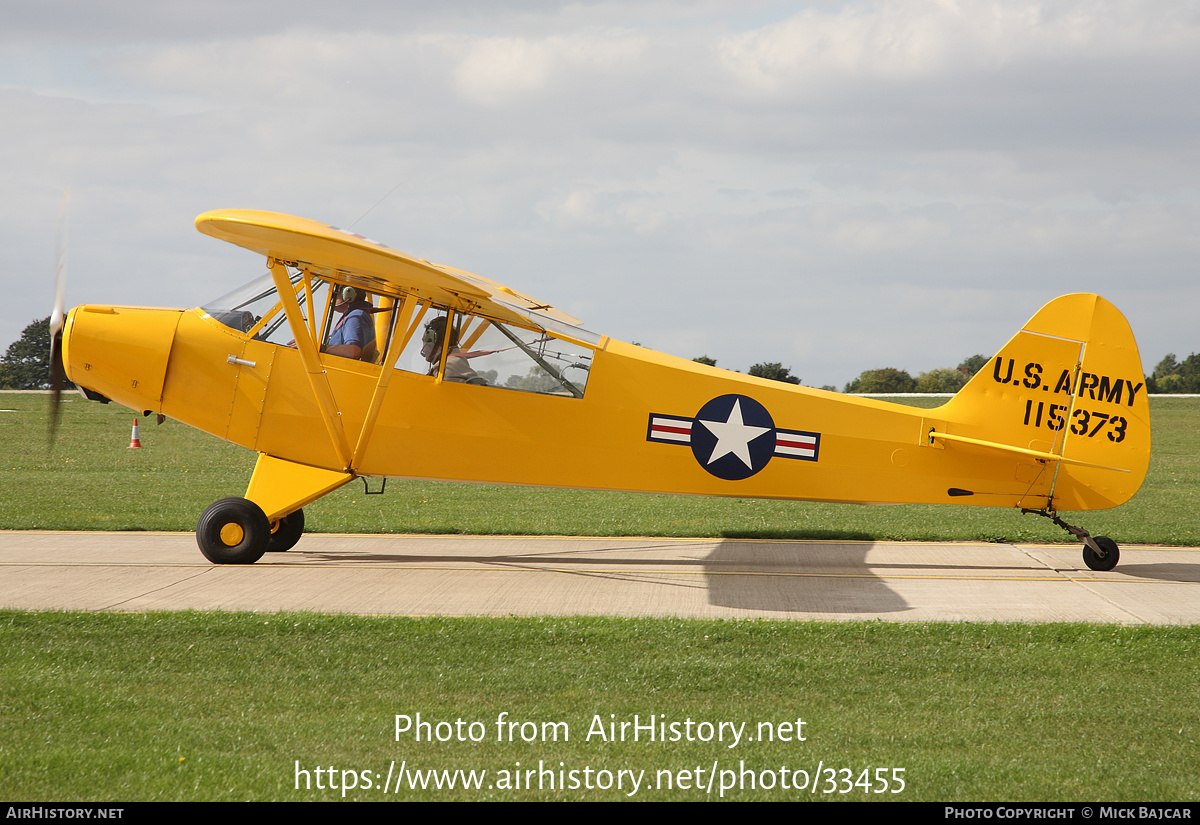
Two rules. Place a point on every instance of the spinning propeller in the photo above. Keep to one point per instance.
(57, 371)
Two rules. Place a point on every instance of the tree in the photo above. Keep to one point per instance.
(887, 379)
(704, 359)
(1189, 373)
(972, 365)
(942, 379)
(536, 380)
(26, 364)
(1167, 366)
(1175, 377)
(776, 372)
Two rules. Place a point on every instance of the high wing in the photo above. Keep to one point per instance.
(328, 251)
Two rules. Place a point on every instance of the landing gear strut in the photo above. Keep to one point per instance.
(1099, 552)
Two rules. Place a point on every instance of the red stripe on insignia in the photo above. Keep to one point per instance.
(670, 430)
(792, 441)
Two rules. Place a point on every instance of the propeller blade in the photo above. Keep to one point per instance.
(57, 317)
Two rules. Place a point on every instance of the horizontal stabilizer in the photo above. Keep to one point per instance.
(1041, 456)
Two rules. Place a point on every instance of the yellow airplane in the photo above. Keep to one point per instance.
(354, 360)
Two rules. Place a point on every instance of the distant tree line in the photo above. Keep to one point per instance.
(775, 371)
(943, 379)
(26, 366)
(882, 380)
(1171, 376)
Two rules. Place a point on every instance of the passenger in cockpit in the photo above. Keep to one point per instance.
(457, 366)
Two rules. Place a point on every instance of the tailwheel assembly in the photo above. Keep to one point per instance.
(286, 532)
(1106, 558)
(233, 531)
(1099, 552)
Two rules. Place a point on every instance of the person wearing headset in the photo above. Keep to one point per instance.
(354, 334)
(457, 367)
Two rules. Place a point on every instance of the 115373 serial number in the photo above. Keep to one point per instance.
(1083, 422)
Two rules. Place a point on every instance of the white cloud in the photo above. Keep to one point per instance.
(496, 71)
(898, 42)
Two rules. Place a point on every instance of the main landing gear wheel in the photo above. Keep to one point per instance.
(286, 532)
(1106, 562)
(233, 531)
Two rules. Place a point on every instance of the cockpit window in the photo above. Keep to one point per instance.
(355, 327)
(256, 308)
(488, 353)
(421, 353)
(349, 322)
(244, 307)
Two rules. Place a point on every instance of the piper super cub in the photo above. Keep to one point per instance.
(351, 359)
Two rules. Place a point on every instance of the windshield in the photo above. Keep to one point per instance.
(256, 308)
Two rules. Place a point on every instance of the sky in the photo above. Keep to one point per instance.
(834, 186)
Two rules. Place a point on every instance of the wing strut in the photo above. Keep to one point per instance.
(312, 363)
(400, 320)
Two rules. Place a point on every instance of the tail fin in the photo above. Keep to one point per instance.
(1067, 396)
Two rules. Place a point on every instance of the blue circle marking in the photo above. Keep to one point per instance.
(733, 437)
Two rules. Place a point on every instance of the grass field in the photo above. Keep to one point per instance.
(179, 472)
(198, 706)
(195, 706)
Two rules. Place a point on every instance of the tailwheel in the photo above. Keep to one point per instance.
(1099, 552)
(233, 531)
(286, 532)
(1106, 559)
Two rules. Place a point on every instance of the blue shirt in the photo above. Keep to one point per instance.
(355, 328)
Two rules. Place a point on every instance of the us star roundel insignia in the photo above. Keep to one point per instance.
(733, 437)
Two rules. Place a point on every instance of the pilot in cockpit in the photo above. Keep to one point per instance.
(457, 366)
(354, 335)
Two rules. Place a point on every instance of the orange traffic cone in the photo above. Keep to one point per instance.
(135, 443)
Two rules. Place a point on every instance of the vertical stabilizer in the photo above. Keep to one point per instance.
(1070, 384)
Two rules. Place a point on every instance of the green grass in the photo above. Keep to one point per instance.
(221, 706)
(91, 481)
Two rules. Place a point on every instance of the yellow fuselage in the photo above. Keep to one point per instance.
(189, 367)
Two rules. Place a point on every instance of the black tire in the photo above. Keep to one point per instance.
(1111, 554)
(233, 531)
(286, 532)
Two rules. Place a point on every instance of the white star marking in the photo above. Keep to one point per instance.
(733, 436)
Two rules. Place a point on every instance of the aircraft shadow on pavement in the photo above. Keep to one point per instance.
(783, 577)
(1169, 572)
(797, 578)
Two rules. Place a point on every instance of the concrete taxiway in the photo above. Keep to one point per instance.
(554, 576)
